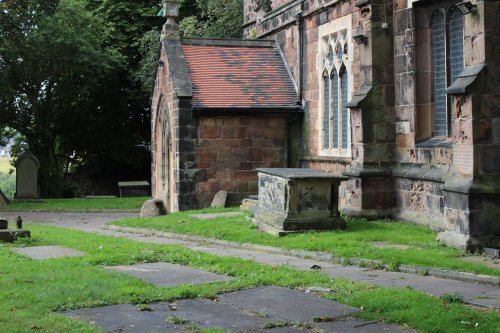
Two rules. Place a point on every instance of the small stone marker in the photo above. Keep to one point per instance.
(153, 208)
(165, 274)
(3, 199)
(27, 177)
(219, 200)
(247, 204)
(48, 252)
(491, 252)
(10, 235)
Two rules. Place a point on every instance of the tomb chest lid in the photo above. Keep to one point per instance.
(300, 173)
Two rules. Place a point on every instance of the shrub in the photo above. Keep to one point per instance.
(8, 184)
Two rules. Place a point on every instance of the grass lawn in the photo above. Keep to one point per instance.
(94, 204)
(355, 241)
(33, 292)
(5, 165)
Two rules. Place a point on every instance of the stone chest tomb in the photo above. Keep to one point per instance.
(294, 200)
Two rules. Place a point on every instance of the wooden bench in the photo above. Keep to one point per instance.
(134, 189)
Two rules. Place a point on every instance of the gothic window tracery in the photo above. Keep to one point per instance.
(447, 33)
(335, 91)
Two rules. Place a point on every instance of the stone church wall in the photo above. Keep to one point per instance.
(230, 148)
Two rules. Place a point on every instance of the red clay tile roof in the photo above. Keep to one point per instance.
(239, 77)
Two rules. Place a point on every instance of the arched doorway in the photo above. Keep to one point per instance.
(163, 157)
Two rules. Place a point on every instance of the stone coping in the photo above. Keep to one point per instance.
(299, 173)
(321, 256)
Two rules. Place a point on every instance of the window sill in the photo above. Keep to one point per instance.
(330, 159)
(437, 141)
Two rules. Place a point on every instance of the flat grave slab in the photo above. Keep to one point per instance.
(286, 304)
(125, 318)
(488, 261)
(208, 314)
(384, 245)
(241, 311)
(208, 216)
(48, 252)
(359, 326)
(165, 274)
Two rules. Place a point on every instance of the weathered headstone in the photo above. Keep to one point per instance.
(219, 200)
(153, 208)
(27, 177)
(3, 199)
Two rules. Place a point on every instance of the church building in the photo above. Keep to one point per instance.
(399, 96)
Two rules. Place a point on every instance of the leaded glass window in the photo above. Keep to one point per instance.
(438, 29)
(335, 89)
(447, 33)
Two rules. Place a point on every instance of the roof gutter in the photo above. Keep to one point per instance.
(210, 111)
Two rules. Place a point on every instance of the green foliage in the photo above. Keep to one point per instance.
(149, 48)
(452, 298)
(200, 18)
(8, 184)
(33, 291)
(70, 59)
(214, 18)
(67, 86)
(353, 242)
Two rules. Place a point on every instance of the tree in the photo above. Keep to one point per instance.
(212, 18)
(200, 18)
(52, 62)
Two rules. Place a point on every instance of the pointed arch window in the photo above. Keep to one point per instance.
(447, 33)
(335, 89)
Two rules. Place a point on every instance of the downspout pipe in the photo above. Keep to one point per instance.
(299, 21)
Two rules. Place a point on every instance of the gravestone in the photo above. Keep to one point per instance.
(219, 200)
(27, 177)
(153, 208)
(3, 199)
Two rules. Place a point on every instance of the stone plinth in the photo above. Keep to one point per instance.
(10, 235)
(296, 200)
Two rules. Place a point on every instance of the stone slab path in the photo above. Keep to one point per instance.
(243, 311)
(164, 274)
(48, 252)
(475, 294)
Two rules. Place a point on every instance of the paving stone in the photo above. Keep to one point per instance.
(359, 326)
(48, 252)
(165, 274)
(488, 261)
(286, 304)
(207, 313)
(125, 318)
(384, 245)
(286, 329)
(208, 216)
(483, 295)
